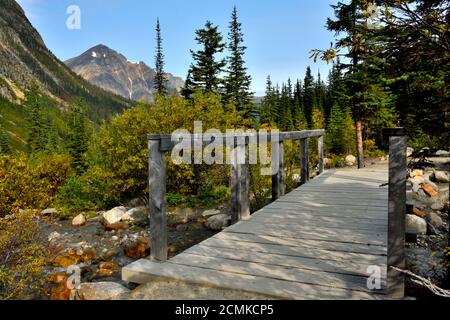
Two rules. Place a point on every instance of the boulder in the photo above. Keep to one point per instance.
(429, 190)
(438, 206)
(113, 216)
(49, 212)
(416, 172)
(415, 225)
(101, 290)
(217, 222)
(116, 226)
(138, 215)
(137, 248)
(442, 153)
(79, 220)
(210, 213)
(442, 177)
(419, 213)
(418, 179)
(434, 219)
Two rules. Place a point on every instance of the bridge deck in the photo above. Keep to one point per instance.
(314, 243)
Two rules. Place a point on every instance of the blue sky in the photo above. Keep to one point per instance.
(279, 34)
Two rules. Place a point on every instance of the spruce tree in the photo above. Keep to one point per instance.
(206, 70)
(237, 81)
(268, 113)
(188, 88)
(77, 140)
(309, 96)
(160, 84)
(35, 123)
(5, 147)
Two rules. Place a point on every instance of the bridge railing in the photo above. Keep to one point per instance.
(240, 204)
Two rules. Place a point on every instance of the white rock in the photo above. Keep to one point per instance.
(418, 179)
(442, 153)
(210, 213)
(218, 222)
(79, 220)
(434, 219)
(442, 176)
(101, 290)
(115, 238)
(49, 211)
(415, 225)
(415, 187)
(54, 236)
(114, 215)
(416, 172)
(350, 159)
(409, 151)
(137, 215)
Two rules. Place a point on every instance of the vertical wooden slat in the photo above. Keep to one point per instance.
(157, 203)
(234, 183)
(278, 186)
(240, 202)
(396, 214)
(304, 163)
(320, 149)
(244, 210)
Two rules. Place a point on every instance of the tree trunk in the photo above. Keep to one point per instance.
(359, 144)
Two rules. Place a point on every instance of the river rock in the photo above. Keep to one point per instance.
(54, 236)
(442, 153)
(218, 222)
(409, 151)
(101, 290)
(113, 216)
(419, 213)
(79, 220)
(438, 206)
(49, 212)
(429, 190)
(416, 172)
(442, 177)
(434, 219)
(138, 215)
(418, 180)
(415, 187)
(415, 225)
(210, 213)
(136, 249)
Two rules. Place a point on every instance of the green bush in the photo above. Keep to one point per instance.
(74, 197)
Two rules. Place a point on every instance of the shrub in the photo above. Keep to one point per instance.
(73, 197)
(31, 183)
(21, 257)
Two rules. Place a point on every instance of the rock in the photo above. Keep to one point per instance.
(429, 190)
(107, 269)
(116, 226)
(49, 211)
(61, 292)
(415, 225)
(136, 202)
(296, 178)
(438, 206)
(419, 213)
(442, 153)
(350, 159)
(210, 213)
(442, 177)
(113, 216)
(409, 151)
(434, 219)
(416, 172)
(54, 236)
(59, 277)
(137, 215)
(79, 220)
(182, 227)
(114, 238)
(217, 222)
(136, 249)
(101, 291)
(431, 230)
(418, 180)
(415, 187)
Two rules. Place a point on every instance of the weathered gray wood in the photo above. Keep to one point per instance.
(320, 150)
(240, 202)
(304, 160)
(397, 212)
(278, 186)
(244, 199)
(157, 203)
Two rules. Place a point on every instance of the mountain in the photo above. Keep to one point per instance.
(112, 71)
(25, 59)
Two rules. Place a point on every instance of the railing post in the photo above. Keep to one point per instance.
(304, 163)
(240, 202)
(278, 187)
(157, 203)
(320, 151)
(396, 211)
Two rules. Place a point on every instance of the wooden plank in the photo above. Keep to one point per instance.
(278, 183)
(320, 151)
(295, 251)
(344, 266)
(304, 161)
(292, 242)
(326, 211)
(332, 280)
(157, 201)
(305, 218)
(143, 271)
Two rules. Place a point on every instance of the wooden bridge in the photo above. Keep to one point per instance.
(335, 237)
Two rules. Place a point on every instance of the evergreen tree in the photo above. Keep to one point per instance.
(5, 147)
(36, 133)
(160, 84)
(269, 112)
(309, 96)
(188, 90)
(286, 121)
(205, 71)
(77, 140)
(298, 113)
(237, 81)
(340, 134)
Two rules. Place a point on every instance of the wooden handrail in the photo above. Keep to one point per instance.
(240, 204)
